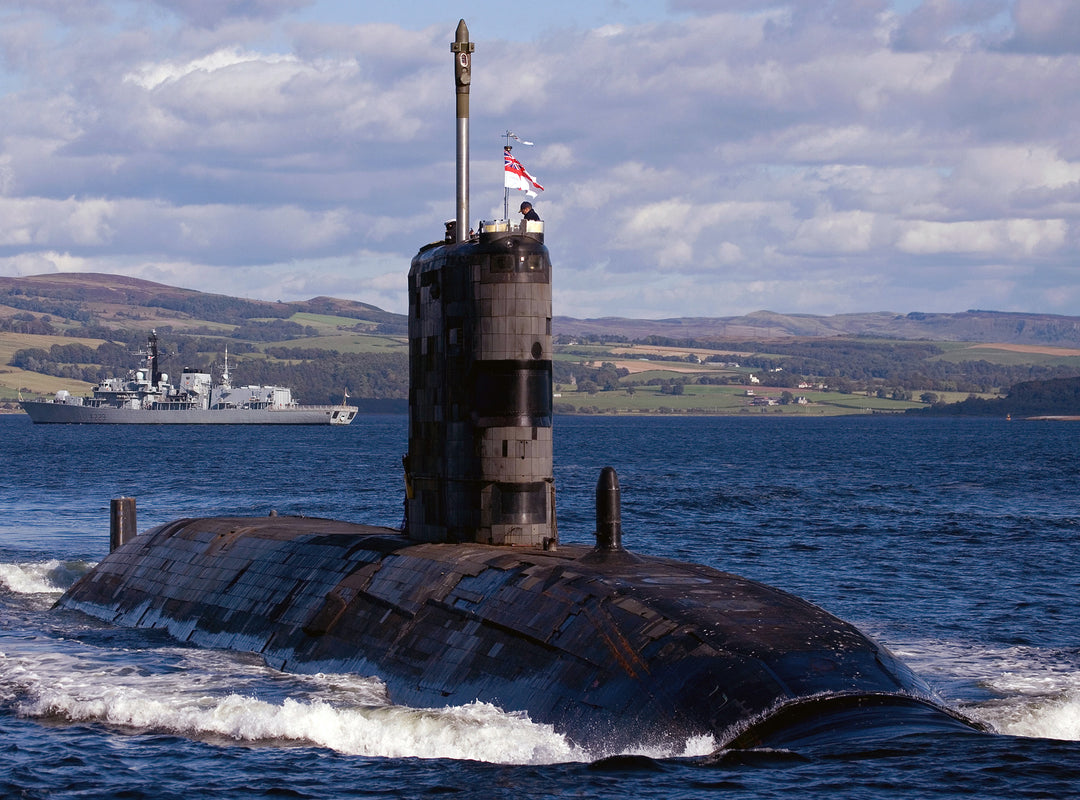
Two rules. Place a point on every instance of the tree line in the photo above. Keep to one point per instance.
(315, 376)
(852, 364)
(1058, 397)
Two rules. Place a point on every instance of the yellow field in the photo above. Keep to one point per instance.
(635, 366)
(34, 383)
(1042, 350)
(659, 350)
(698, 399)
(12, 379)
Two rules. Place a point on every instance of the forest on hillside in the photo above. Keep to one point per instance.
(901, 370)
(315, 376)
(268, 345)
(1059, 397)
(69, 303)
(846, 364)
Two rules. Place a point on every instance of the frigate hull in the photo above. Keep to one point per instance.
(45, 412)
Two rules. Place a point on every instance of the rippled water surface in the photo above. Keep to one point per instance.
(954, 542)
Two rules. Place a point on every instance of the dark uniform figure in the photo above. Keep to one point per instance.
(529, 212)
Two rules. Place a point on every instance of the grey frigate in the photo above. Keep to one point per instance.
(146, 397)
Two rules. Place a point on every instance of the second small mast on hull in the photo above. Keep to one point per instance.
(480, 404)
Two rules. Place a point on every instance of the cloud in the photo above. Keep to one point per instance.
(1046, 26)
(843, 232)
(1013, 237)
(209, 13)
(936, 24)
(841, 156)
(151, 76)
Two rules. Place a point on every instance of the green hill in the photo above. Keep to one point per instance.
(69, 330)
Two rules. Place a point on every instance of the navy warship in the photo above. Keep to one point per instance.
(146, 397)
(476, 598)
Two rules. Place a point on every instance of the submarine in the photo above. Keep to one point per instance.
(476, 597)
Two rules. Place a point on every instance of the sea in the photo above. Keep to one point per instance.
(954, 542)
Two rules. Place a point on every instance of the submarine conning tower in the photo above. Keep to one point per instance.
(480, 390)
(479, 466)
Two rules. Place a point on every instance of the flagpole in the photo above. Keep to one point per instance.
(508, 148)
(506, 189)
(522, 179)
(506, 197)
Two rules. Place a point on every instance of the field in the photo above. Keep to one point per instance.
(319, 346)
(642, 363)
(13, 379)
(350, 343)
(698, 399)
(1010, 354)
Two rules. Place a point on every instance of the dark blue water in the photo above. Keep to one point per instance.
(954, 542)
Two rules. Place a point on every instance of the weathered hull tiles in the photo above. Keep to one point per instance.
(615, 650)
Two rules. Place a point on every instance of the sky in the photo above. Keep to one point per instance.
(700, 157)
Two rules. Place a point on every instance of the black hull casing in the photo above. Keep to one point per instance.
(613, 650)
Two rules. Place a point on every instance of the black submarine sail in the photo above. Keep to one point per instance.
(480, 382)
(477, 599)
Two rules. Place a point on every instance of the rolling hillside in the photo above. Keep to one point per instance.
(70, 330)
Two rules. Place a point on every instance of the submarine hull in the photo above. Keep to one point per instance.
(614, 650)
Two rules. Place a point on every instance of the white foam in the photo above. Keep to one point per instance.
(1035, 691)
(215, 694)
(475, 731)
(42, 577)
(1039, 694)
(1043, 717)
